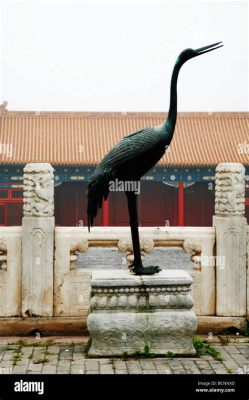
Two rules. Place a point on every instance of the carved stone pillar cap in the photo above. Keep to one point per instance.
(227, 167)
(230, 190)
(38, 167)
(38, 190)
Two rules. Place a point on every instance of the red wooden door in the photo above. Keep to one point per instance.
(14, 214)
(158, 204)
(71, 204)
(199, 204)
(11, 207)
(3, 214)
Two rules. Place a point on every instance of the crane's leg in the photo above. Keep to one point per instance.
(137, 266)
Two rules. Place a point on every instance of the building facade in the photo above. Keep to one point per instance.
(179, 190)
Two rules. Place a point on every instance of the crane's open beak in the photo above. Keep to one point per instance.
(206, 49)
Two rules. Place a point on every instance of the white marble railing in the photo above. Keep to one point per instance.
(74, 283)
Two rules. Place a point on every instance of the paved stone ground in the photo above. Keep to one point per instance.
(67, 356)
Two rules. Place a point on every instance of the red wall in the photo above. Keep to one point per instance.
(157, 205)
(70, 205)
(11, 207)
(199, 204)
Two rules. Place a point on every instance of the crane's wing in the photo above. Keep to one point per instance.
(126, 150)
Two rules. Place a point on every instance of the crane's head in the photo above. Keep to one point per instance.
(187, 54)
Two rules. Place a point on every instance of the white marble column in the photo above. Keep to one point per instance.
(230, 225)
(38, 240)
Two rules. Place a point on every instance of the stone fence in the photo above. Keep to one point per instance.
(42, 289)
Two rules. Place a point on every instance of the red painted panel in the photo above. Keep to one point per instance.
(14, 214)
(71, 205)
(105, 213)
(118, 210)
(158, 204)
(180, 204)
(199, 204)
(2, 214)
(11, 207)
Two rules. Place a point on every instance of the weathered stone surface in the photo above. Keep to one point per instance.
(125, 246)
(230, 189)
(231, 226)
(231, 278)
(215, 324)
(128, 313)
(47, 326)
(10, 272)
(38, 240)
(71, 284)
(37, 266)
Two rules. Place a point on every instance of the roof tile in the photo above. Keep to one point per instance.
(63, 138)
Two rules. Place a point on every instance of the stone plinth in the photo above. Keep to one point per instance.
(129, 313)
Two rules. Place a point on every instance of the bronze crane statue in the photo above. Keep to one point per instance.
(133, 156)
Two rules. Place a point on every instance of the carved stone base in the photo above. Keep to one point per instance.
(135, 314)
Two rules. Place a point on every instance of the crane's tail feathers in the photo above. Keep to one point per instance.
(98, 190)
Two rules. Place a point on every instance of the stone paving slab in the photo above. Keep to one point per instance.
(67, 356)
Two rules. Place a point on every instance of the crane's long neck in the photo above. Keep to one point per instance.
(170, 122)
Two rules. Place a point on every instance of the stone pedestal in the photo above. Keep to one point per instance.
(38, 241)
(134, 314)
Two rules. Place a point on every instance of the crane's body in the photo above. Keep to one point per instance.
(133, 156)
(128, 160)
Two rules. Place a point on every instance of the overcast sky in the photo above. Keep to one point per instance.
(118, 56)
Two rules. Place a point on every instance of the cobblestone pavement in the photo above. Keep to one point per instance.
(67, 356)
